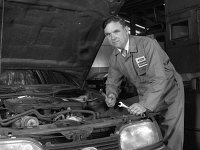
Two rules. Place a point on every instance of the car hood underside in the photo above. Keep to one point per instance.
(53, 34)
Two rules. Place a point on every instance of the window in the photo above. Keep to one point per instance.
(179, 30)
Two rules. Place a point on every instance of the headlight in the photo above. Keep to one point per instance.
(19, 144)
(138, 135)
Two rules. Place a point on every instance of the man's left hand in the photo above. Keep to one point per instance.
(136, 109)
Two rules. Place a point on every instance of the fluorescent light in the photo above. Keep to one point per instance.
(139, 26)
(137, 32)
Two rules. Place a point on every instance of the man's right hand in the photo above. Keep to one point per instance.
(110, 100)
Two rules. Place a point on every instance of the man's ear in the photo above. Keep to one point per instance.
(127, 29)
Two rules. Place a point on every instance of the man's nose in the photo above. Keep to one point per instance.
(112, 36)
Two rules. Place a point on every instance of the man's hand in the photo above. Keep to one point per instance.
(136, 109)
(110, 100)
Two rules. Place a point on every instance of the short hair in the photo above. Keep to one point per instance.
(114, 19)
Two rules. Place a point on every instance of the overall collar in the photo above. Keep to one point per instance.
(132, 46)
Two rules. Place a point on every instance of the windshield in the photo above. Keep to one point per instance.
(18, 77)
(35, 77)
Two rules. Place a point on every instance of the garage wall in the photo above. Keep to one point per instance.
(175, 5)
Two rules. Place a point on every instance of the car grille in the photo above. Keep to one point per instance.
(108, 143)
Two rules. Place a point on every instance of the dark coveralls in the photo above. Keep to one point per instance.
(159, 86)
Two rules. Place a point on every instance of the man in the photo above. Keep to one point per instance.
(147, 66)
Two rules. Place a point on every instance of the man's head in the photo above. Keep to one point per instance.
(116, 31)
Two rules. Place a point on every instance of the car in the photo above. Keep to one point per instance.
(47, 49)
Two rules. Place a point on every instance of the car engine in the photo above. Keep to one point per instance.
(63, 117)
(30, 111)
(77, 119)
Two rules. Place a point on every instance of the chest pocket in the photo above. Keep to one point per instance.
(139, 62)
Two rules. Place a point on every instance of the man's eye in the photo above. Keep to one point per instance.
(107, 34)
(116, 32)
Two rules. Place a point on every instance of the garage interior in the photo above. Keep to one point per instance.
(175, 25)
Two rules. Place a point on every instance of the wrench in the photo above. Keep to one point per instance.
(121, 104)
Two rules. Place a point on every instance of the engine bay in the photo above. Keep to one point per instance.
(57, 119)
(31, 111)
(69, 114)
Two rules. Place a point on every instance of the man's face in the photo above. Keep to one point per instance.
(117, 34)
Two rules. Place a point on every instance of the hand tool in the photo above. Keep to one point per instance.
(121, 104)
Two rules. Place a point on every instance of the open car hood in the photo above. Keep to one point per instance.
(53, 34)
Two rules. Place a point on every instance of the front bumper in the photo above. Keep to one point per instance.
(109, 143)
